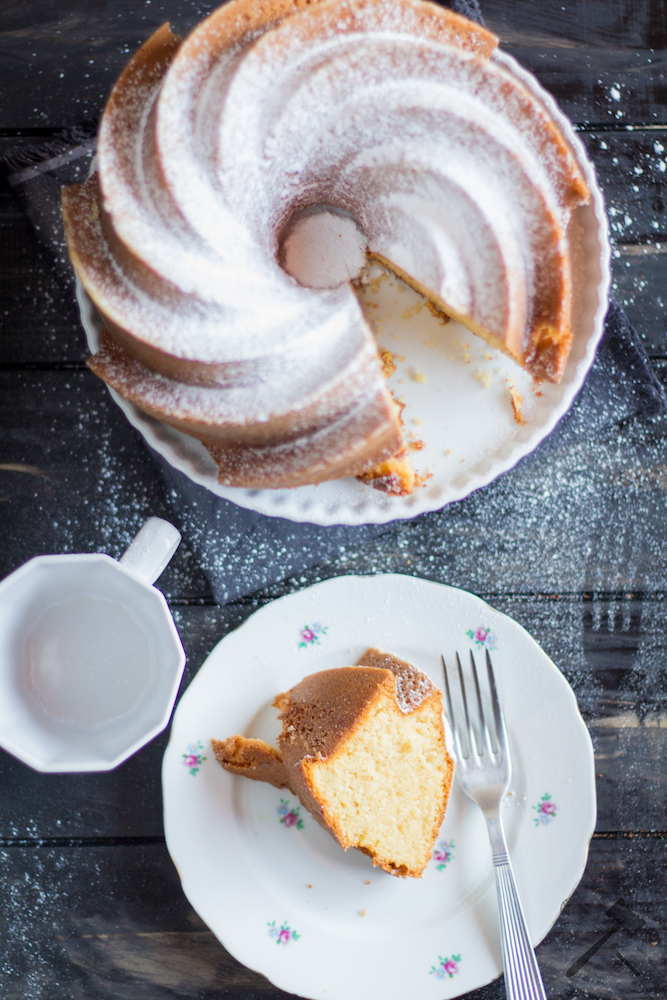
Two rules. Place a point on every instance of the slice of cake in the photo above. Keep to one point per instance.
(363, 748)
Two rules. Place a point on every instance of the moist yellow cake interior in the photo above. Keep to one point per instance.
(383, 787)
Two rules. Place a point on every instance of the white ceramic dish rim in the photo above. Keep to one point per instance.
(182, 814)
(305, 504)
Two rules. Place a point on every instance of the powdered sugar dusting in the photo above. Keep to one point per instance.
(412, 687)
(391, 112)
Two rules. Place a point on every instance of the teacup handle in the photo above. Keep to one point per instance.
(152, 549)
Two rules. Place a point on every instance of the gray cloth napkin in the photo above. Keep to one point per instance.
(242, 551)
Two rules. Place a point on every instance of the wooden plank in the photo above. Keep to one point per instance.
(632, 170)
(582, 25)
(91, 923)
(630, 765)
(639, 283)
(634, 870)
(74, 475)
(604, 63)
(93, 894)
(59, 65)
(40, 314)
(124, 803)
(586, 514)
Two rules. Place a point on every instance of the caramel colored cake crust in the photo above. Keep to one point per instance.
(363, 748)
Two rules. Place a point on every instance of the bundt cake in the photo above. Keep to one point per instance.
(363, 748)
(398, 116)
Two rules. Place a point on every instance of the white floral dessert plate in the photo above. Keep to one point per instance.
(456, 391)
(277, 890)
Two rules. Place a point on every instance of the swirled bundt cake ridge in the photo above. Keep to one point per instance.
(396, 112)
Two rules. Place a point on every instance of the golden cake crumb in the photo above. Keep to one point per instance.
(395, 476)
(517, 400)
(438, 313)
(376, 282)
(483, 377)
(387, 362)
(422, 479)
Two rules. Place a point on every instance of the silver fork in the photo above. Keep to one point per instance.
(484, 774)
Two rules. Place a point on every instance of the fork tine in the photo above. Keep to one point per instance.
(471, 740)
(450, 712)
(484, 726)
(485, 777)
(501, 733)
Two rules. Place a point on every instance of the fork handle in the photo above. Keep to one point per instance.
(523, 980)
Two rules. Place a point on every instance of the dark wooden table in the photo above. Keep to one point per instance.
(573, 547)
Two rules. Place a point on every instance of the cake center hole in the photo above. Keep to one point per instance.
(323, 247)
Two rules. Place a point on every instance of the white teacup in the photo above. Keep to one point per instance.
(90, 659)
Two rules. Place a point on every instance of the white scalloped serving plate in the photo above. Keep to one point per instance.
(277, 890)
(454, 387)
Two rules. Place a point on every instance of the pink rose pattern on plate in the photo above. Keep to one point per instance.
(283, 934)
(193, 757)
(546, 811)
(310, 634)
(482, 637)
(443, 854)
(447, 967)
(290, 816)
